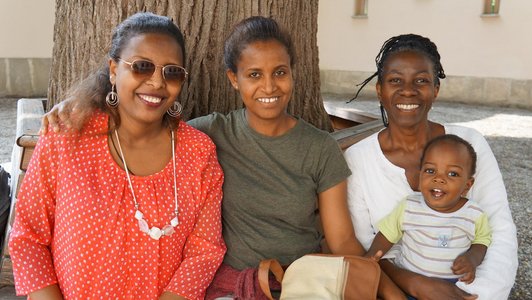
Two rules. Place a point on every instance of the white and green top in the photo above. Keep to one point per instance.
(432, 240)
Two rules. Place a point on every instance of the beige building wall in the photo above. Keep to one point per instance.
(26, 30)
(487, 58)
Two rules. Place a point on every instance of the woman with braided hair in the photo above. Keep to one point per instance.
(385, 168)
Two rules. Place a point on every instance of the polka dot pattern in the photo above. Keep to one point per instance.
(75, 222)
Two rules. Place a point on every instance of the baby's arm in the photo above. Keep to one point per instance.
(390, 232)
(466, 264)
(379, 247)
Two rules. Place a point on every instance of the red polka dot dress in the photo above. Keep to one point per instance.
(75, 220)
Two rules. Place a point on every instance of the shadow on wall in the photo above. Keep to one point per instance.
(24, 77)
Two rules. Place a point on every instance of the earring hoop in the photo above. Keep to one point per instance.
(175, 110)
(112, 98)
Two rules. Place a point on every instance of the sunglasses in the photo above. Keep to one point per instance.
(171, 73)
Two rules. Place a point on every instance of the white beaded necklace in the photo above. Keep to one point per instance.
(155, 232)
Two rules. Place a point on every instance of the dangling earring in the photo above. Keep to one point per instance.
(112, 97)
(383, 115)
(175, 110)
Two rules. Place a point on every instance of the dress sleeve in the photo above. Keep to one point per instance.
(496, 275)
(204, 250)
(31, 238)
(358, 208)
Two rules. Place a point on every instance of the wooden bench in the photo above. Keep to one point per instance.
(29, 114)
(351, 125)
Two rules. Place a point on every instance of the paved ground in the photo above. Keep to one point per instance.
(508, 130)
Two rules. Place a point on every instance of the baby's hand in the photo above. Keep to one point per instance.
(462, 265)
(376, 257)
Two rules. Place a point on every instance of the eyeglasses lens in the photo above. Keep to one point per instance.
(173, 73)
(143, 67)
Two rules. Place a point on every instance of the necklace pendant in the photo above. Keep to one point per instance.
(155, 233)
(168, 230)
(174, 222)
(143, 226)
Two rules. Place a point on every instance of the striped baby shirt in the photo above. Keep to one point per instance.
(430, 240)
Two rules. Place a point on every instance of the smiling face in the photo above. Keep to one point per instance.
(145, 99)
(264, 80)
(407, 88)
(445, 176)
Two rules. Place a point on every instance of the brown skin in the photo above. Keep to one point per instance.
(264, 80)
(171, 296)
(407, 92)
(445, 176)
(51, 292)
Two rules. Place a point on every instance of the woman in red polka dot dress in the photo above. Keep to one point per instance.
(129, 207)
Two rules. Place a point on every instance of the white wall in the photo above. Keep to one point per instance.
(26, 28)
(470, 45)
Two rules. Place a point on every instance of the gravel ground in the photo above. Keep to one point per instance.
(508, 131)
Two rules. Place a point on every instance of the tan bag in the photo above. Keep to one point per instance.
(323, 276)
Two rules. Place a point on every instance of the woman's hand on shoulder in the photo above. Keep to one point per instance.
(70, 112)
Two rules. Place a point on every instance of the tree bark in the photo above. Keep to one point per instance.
(83, 30)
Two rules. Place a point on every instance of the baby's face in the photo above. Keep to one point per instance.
(444, 179)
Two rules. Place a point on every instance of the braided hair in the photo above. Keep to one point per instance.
(406, 42)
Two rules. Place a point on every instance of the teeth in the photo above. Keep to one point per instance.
(407, 106)
(151, 99)
(437, 192)
(268, 100)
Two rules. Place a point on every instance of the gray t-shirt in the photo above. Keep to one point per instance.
(271, 187)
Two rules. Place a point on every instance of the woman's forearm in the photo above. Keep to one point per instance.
(51, 292)
(401, 277)
(388, 289)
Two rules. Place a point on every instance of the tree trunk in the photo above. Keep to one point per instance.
(83, 28)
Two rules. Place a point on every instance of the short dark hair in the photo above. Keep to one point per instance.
(254, 29)
(453, 139)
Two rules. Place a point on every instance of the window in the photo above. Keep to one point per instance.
(491, 7)
(361, 8)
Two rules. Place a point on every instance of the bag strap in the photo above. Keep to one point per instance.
(265, 267)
